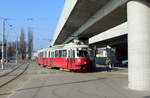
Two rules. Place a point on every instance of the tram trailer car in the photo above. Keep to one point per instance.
(41, 57)
(69, 56)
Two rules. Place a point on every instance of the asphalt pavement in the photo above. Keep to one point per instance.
(52, 83)
(7, 67)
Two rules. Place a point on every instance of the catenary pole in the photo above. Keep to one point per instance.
(3, 38)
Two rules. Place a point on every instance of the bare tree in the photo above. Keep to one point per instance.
(22, 45)
(11, 49)
(30, 43)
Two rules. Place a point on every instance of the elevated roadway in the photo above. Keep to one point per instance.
(88, 18)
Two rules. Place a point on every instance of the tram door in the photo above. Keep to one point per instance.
(71, 58)
(64, 61)
(49, 59)
(45, 58)
(52, 59)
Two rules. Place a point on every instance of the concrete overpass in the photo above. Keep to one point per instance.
(116, 35)
(88, 18)
(84, 19)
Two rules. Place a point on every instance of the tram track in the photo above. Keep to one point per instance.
(6, 73)
(8, 77)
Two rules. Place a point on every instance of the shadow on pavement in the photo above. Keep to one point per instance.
(102, 68)
(147, 97)
(3, 94)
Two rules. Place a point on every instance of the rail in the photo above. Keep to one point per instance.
(8, 77)
(6, 73)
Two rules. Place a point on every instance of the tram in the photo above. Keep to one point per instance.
(71, 56)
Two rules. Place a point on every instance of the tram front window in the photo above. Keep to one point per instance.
(82, 53)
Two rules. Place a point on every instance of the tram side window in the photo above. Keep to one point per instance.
(41, 54)
(45, 54)
(69, 54)
(38, 54)
(60, 53)
(52, 54)
(64, 53)
(56, 53)
(73, 53)
(82, 53)
(49, 54)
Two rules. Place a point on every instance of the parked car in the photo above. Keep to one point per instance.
(124, 63)
(11, 59)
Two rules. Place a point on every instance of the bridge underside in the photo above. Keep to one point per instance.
(111, 42)
(84, 13)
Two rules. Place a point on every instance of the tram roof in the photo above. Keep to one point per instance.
(68, 46)
(73, 45)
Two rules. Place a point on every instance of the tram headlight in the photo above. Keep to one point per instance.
(85, 63)
(78, 60)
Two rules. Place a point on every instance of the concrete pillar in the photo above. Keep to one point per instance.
(139, 44)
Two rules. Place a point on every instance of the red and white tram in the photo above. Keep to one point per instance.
(69, 56)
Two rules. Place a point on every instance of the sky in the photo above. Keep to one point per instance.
(41, 15)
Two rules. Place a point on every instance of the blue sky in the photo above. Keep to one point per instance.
(44, 14)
